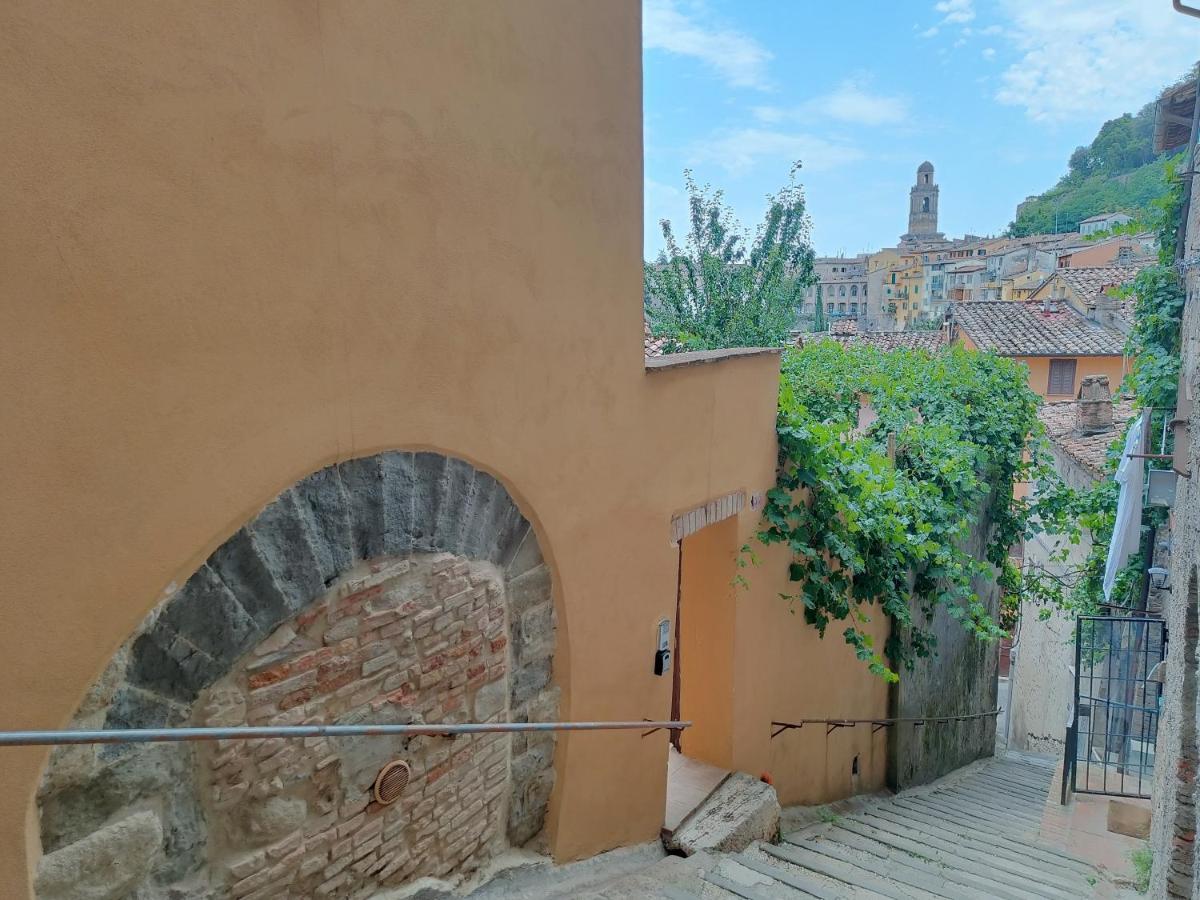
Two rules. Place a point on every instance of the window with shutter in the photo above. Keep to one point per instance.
(1062, 377)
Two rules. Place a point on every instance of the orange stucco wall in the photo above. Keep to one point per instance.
(1115, 367)
(245, 241)
(708, 601)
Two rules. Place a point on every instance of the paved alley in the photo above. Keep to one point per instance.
(975, 834)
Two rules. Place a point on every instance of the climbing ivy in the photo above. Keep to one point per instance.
(866, 530)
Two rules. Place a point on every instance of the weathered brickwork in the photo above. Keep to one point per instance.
(416, 640)
(334, 605)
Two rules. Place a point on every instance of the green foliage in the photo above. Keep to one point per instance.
(1122, 145)
(1154, 342)
(864, 531)
(1076, 198)
(819, 322)
(1143, 861)
(715, 292)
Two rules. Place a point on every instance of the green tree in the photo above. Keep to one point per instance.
(722, 289)
(819, 323)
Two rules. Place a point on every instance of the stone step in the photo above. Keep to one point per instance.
(1002, 859)
(670, 892)
(806, 886)
(976, 869)
(839, 871)
(974, 812)
(737, 889)
(893, 861)
(907, 876)
(979, 834)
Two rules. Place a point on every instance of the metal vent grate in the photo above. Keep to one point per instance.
(391, 781)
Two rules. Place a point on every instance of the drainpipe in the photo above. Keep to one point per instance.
(1186, 10)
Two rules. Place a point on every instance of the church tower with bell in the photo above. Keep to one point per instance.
(923, 207)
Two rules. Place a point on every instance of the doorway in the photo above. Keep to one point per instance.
(702, 668)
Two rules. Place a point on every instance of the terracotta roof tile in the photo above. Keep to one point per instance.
(654, 346)
(1012, 328)
(895, 340)
(1089, 281)
(1089, 450)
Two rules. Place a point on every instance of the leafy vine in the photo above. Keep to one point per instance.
(866, 526)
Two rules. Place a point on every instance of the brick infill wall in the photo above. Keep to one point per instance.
(406, 641)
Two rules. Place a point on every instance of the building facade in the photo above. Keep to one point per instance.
(295, 439)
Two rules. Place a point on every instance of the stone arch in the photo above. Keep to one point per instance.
(404, 586)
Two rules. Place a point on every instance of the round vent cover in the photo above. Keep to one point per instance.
(391, 781)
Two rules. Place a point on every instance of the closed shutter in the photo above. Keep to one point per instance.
(1062, 377)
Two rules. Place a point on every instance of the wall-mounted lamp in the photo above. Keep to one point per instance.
(1158, 577)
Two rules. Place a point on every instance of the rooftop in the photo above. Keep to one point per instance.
(654, 345)
(1089, 281)
(1012, 328)
(895, 340)
(1089, 450)
(1100, 217)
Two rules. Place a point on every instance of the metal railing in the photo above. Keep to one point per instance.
(254, 732)
(877, 724)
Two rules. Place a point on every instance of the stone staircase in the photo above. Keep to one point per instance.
(970, 836)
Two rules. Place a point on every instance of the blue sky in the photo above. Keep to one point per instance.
(996, 93)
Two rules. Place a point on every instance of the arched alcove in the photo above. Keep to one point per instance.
(400, 587)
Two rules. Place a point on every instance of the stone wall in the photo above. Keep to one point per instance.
(1173, 823)
(332, 606)
(1041, 684)
(960, 679)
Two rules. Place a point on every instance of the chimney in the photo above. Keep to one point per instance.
(1095, 405)
(1124, 255)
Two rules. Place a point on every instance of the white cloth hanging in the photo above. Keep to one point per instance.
(1127, 531)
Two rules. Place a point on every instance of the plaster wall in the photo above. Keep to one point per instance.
(1041, 683)
(705, 648)
(1115, 367)
(246, 242)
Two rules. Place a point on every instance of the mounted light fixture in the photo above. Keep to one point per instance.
(1159, 577)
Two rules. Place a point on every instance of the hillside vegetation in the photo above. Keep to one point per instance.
(1117, 172)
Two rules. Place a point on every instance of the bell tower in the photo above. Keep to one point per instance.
(923, 206)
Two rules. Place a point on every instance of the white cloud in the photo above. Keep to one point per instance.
(989, 53)
(1082, 59)
(955, 12)
(738, 59)
(744, 148)
(929, 32)
(851, 102)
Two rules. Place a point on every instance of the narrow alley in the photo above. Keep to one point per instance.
(978, 833)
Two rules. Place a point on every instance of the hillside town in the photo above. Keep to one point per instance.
(917, 282)
(352, 551)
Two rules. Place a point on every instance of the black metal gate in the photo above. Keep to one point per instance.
(1114, 715)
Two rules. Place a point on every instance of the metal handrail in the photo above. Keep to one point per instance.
(832, 725)
(253, 732)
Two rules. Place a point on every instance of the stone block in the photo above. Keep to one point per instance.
(490, 699)
(529, 589)
(162, 665)
(428, 471)
(108, 864)
(456, 489)
(363, 480)
(740, 811)
(205, 613)
(478, 534)
(321, 501)
(517, 547)
(282, 542)
(529, 680)
(399, 497)
(237, 563)
(1129, 817)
